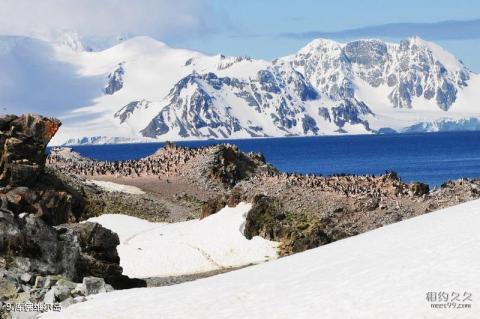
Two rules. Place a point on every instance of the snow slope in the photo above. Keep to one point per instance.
(162, 249)
(385, 273)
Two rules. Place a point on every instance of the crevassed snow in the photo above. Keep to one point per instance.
(165, 249)
(115, 187)
(385, 273)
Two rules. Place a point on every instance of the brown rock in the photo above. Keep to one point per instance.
(212, 206)
(22, 147)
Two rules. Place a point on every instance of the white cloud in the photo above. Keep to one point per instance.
(163, 19)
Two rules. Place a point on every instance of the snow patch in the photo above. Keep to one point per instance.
(169, 249)
(115, 187)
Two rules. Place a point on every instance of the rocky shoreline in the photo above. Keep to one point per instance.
(48, 254)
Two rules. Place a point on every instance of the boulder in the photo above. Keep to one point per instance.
(265, 219)
(26, 277)
(63, 289)
(93, 285)
(98, 254)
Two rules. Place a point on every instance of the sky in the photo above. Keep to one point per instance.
(263, 29)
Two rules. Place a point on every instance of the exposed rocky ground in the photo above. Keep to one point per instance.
(43, 251)
(300, 211)
(179, 182)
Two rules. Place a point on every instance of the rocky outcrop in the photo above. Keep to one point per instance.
(229, 165)
(26, 187)
(30, 244)
(36, 204)
(219, 166)
(296, 232)
(300, 211)
(215, 204)
(115, 80)
(22, 145)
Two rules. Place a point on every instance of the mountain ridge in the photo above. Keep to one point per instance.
(152, 92)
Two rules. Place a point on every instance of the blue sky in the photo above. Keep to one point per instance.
(259, 28)
(268, 29)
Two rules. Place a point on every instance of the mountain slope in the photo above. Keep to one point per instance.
(143, 90)
(385, 273)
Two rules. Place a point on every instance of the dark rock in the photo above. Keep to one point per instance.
(98, 254)
(23, 141)
(95, 240)
(230, 165)
(419, 189)
(27, 186)
(33, 200)
(115, 80)
(296, 232)
(34, 246)
(264, 219)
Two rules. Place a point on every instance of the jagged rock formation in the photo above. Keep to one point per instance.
(34, 202)
(22, 142)
(26, 188)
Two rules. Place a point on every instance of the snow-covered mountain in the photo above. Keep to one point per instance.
(142, 90)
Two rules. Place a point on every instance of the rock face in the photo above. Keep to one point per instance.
(29, 244)
(26, 187)
(22, 145)
(36, 204)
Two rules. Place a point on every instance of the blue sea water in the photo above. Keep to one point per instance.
(432, 158)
